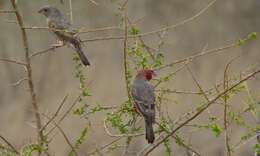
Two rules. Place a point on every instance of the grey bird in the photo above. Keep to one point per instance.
(61, 27)
(144, 99)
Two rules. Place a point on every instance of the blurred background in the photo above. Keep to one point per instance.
(53, 72)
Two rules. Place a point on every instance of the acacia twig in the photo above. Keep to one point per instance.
(119, 135)
(125, 58)
(10, 145)
(71, 11)
(17, 83)
(6, 11)
(12, 61)
(182, 143)
(63, 134)
(226, 86)
(56, 113)
(201, 53)
(65, 114)
(103, 146)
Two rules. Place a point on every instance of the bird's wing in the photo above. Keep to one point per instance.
(144, 98)
(58, 21)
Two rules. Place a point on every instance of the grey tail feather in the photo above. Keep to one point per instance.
(149, 135)
(81, 54)
(83, 58)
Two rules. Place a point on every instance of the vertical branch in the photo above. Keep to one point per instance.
(125, 56)
(127, 81)
(126, 70)
(29, 72)
(226, 97)
(71, 14)
(257, 152)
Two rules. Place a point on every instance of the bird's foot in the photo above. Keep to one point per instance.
(136, 110)
(58, 44)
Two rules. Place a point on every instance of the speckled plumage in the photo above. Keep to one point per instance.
(61, 27)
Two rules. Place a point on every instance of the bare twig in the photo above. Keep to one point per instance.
(178, 92)
(65, 114)
(103, 147)
(119, 135)
(12, 61)
(37, 28)
(56, 113)
(94, 2)
(182, 22)
(182, 143)
(43, 51)
(198, 85)
(123, 6)
(80, 30)
(17, 83)
(71, 11)
(63, 134)
(187, 147)
(29, 72)
(85, 30)
(226, 86)
(10, 145)
(201, 53)
(6, 11)
(186, 62)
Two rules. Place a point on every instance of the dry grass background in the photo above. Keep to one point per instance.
(224, 22)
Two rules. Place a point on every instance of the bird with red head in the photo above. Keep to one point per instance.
(144, 99)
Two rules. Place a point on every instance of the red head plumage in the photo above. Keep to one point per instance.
(146, 74)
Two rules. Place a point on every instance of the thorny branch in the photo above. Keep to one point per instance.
(125, 58)
(56, 113)
(119, 135)
(29, 72)
(9, 144)
(65, 114)
(6, 11)
(202, 53)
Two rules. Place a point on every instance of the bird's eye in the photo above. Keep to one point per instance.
(45, 10)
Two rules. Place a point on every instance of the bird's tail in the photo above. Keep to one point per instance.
(82, 56)
(149, 135)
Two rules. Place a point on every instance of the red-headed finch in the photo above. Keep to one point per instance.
(61, 27)
(144, 99)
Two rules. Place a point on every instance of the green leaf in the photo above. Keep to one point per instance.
(133, 30)
(216, 129)
(257, 148)
(252, 36)
(237, 118)
(28, 150)
(241, 42)
(167, 145)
